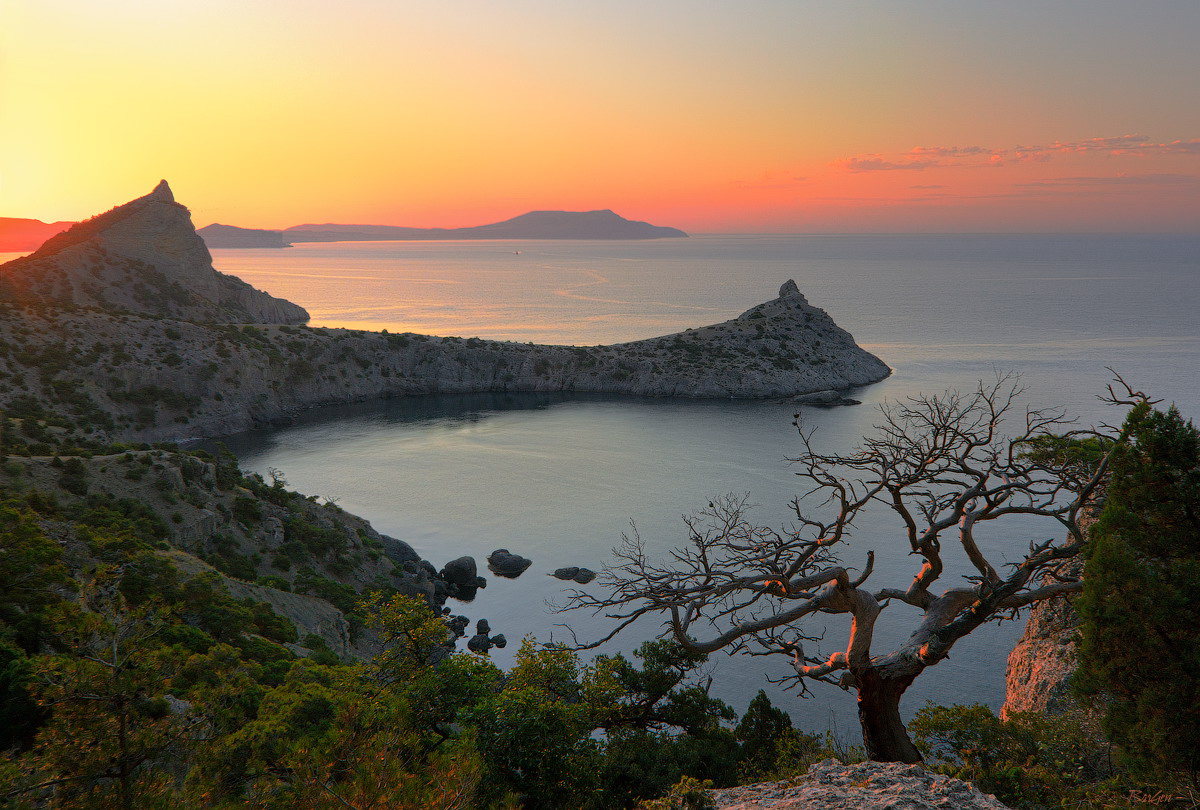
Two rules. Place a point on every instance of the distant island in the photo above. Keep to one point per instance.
(228, 236)
(604, 224)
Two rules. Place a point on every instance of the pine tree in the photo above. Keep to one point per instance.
(1140, 609)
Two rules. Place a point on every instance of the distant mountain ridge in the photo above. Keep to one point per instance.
(18, 235)
(605, 224)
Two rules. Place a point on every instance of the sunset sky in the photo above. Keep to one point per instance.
(710, 116)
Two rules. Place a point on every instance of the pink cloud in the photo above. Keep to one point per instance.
(874, 163)
(924, 157)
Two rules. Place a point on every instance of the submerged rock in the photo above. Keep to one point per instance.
(573, 572)
(824, 399)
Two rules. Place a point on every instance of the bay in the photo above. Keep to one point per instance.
(558, 478)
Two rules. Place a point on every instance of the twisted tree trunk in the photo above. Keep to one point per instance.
(884, 734)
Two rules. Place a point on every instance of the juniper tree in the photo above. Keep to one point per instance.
(1140, 608)
(945, 467)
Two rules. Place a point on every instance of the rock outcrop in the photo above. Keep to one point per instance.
(1040, 666)
(829, 785)
(143, 257)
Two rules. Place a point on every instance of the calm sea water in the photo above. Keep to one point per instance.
(558, 479)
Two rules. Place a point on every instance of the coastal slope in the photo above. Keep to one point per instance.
(141, 258)
(170, 371)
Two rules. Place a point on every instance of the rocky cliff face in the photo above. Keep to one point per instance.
(1041, 664)
(143, 257)
(1038, 676)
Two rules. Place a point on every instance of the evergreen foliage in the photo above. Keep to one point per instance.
(1140, 608)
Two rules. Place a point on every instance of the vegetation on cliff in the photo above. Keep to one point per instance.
(1139, 657)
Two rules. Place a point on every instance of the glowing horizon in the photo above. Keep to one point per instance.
(772, 117)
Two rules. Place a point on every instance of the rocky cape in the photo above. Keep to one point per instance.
(122, 323)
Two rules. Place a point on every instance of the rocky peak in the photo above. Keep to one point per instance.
(162, 193)
(143, 257)
(788, 289)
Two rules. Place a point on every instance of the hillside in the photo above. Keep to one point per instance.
(142, 258)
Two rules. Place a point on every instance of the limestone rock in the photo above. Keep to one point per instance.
(829, 785)
(1040, 666)
(142, 257)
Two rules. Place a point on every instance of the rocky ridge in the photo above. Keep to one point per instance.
(144, 258)
(830, 785)
(129, 360)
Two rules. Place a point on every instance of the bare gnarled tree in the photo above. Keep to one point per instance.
(943, 466)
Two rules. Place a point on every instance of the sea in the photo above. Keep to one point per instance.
(560, 478)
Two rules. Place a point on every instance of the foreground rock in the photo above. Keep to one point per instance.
(829, 785)
(123, 323)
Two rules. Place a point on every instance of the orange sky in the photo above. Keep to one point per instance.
(710, 116)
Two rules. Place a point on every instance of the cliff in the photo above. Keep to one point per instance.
(1040, 666)
(144, 258)
(533, 225)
